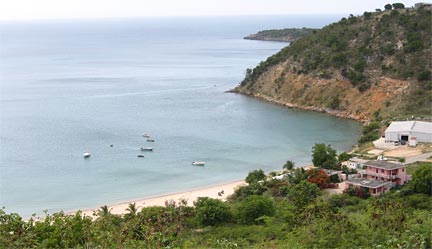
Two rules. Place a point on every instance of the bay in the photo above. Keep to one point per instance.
(73, 86)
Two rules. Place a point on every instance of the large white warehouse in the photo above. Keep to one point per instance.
(405, 130)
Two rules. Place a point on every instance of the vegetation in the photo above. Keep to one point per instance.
(364, 50)
(324, 156)
(422, 179)
(285, 35)
(370, 132)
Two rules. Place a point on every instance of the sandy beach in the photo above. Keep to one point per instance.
(190, 196)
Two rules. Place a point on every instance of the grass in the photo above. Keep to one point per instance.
(413, 166)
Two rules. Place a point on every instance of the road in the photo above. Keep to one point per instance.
(421, 157)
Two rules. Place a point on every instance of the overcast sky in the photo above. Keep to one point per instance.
(66, 9)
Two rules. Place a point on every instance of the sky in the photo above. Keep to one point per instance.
(71, 9)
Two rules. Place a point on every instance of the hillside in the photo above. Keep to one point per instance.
(375, 63)
(282, 35)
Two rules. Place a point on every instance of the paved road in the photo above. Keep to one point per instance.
(421, 157)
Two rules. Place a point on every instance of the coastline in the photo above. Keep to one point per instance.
(190, 196)
(334, 113)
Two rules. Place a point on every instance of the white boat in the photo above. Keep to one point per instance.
(150, 140)
(197, 163)
(86, 154)
(146, 135)
(146, 148)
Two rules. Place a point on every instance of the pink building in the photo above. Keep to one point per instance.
(379, 177)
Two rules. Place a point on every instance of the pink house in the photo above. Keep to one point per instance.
(380, 176)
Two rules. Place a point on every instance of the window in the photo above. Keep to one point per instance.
(403, 170)
(376, 171)
(382, 171)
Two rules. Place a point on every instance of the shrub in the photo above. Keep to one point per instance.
(255, 176)
(211, 212)
(254, 207)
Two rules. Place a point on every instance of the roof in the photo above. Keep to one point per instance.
(384, 164)
(410, 126)
(368, 183)
(358, 160)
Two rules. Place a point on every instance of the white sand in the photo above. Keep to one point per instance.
(189, 196)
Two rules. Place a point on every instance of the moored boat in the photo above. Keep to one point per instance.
(197, 163)
(86, 154)
(146, 135)
(140, 156)
(150, 140)
(146, 148)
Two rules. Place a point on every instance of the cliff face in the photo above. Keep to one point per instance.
(358, 67)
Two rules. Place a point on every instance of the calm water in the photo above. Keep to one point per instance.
(71, 87)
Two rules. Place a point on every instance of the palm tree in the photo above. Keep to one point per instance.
(104, 211)
(289, 165)
(132, 209)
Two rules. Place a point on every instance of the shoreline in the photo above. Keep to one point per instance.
(190, 196)
(333, 113)
(159, 200)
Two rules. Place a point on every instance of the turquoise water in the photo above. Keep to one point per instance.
(70, 87)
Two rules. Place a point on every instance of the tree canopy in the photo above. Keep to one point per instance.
(324, 156)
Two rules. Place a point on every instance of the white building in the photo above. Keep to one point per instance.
(357, 163)
(405, 130)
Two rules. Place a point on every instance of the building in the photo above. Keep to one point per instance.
(423, 5)
(405, 130)
(379, 177)
(356, 163)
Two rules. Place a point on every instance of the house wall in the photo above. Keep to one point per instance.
(422, 137)
(398, 176)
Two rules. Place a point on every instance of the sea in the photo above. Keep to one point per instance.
(74, 86)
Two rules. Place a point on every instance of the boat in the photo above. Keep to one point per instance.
(197, 163)
(146, 148)
(86, 154)
(146, 135)
(150, 140)
(140, 156)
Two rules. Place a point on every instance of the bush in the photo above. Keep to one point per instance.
(254, 207)
(422, 179)
(211, 212)
(255, 176)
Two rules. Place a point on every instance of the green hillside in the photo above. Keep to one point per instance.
(362, 50)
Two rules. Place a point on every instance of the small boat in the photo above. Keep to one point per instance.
(146, 148)
(86, 154)
(146, 135)
(140, 156)
(150, 140)
(196, 163)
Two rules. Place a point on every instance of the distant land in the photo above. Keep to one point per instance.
(281, 35)
(362, 67)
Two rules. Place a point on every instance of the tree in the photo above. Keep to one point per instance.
(255, 176)
(254, 207)
(344, 157)
(388, 6)
(422, 179)
(104, 211)
(324, 156)
(132, 209)
(398, 6)
(303, 194)
(211, 212)
(289, 165)
(298, 175)
(318, 177)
